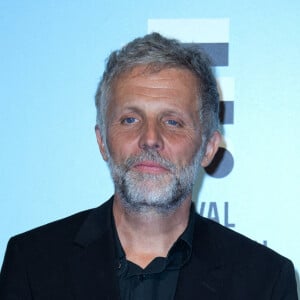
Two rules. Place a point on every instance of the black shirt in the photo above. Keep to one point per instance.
(158, 280)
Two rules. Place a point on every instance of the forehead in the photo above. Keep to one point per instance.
(143, 71)
(157, 83)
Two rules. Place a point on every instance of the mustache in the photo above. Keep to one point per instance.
(151, 155)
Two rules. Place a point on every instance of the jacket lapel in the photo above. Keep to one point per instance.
(92, 265)
(203, 277)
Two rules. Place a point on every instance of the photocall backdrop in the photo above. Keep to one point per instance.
(52, 56)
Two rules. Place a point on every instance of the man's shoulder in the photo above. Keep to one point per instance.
(60, 231)
(234, 247)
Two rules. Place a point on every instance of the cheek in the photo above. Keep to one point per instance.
(121, 146)
(182, 149)
(179, 148)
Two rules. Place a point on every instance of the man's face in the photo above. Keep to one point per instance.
(153, 137)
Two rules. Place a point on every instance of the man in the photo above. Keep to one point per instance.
(157, 123)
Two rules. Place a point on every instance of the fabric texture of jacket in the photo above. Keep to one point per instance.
(74, 258)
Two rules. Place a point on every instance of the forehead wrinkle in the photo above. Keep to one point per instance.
(146, 90)
(156, 92)
(136, 105)
(142, 72)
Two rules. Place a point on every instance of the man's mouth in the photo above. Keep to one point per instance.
(150, 167)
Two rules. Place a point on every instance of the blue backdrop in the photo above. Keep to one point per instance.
(52, 55)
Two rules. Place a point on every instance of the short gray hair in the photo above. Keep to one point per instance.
(157, 53)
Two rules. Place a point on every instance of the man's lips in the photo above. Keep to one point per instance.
(150, 167)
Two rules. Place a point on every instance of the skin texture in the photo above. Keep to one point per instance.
(157, 111)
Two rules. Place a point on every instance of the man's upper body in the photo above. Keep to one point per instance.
(77, 258)
(157, 124)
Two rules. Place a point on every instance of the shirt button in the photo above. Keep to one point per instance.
(142, 277)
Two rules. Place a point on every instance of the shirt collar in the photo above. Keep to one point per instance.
(181, 250)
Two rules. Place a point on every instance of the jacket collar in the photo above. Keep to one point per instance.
(203, 277)
(93, 265)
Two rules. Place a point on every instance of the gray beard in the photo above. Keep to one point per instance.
(159, 193)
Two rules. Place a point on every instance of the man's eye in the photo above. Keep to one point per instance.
(129, 120)
(173, 123)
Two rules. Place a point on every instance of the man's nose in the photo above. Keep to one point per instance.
(151, 137)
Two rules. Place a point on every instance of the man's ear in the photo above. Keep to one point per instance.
(101, 144)
(211, 149)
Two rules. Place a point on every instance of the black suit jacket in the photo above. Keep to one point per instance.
(74, 258)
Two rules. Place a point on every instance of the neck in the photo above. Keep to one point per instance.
(147, 235)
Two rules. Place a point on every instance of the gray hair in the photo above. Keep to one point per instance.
(157, 53)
